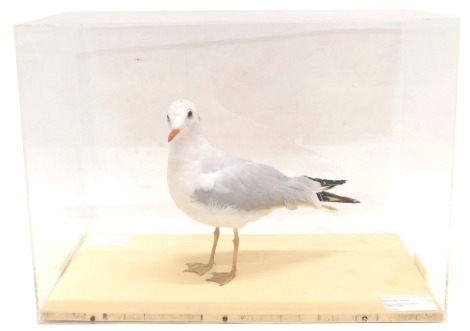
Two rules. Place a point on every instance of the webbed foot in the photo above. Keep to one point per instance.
(199, 268)
(221, 278)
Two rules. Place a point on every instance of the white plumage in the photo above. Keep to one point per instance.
(221, 190)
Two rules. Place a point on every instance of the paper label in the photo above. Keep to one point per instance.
(107, 241)
(408, 303)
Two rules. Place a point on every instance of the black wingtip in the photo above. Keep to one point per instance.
(325, 196)
(329, 183)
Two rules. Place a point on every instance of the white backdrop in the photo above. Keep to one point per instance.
(21, 280)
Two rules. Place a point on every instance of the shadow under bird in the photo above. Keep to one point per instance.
(222, 190)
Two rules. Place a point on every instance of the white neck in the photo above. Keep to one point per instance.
(188, 147)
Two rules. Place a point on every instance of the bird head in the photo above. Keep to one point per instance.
(182, 118)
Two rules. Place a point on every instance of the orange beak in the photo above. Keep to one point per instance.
(173, 134)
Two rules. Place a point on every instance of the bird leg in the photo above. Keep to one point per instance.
(223, 278)
(201, 268)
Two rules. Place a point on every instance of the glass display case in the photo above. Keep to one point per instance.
(367, 97)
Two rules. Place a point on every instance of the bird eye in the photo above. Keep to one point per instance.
(167, 118)
(190, 114)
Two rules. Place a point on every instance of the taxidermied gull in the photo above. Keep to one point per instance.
(222, 190)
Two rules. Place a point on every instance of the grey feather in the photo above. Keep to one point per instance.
(251, 186)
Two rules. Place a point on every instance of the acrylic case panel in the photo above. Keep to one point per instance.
(363, 96)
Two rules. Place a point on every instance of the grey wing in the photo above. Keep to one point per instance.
(250, 186)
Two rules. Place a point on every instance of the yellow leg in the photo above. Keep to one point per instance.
(201, 268)
(223, 278)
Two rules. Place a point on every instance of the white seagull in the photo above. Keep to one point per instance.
(222, 190)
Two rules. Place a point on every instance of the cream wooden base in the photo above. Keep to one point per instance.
(292, 278)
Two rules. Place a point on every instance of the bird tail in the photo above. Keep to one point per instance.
(330, 197)
(327, 184)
